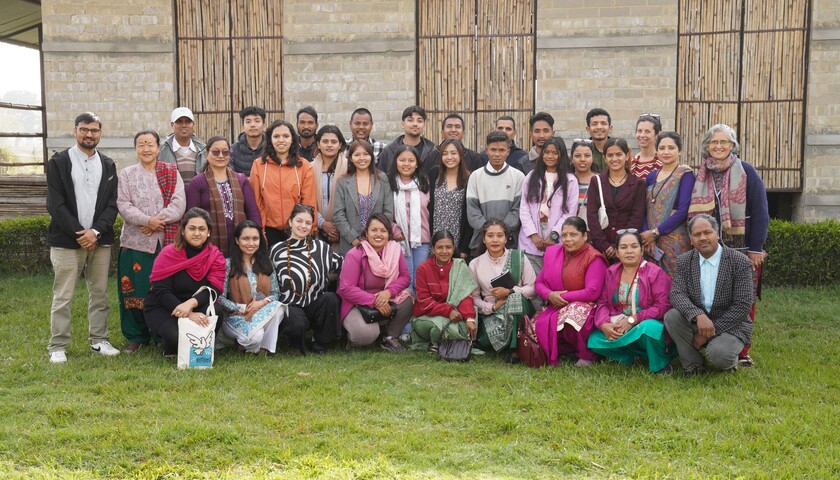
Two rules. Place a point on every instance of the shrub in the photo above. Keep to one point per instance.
(23, 243)
(803, 254)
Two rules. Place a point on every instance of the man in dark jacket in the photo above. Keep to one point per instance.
(82, 203)
(413, 124)
(251, 143)
(712, 294)
(453, 127)
(507, 124)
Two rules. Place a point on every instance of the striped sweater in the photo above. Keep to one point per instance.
(494, 195)
(294, 279)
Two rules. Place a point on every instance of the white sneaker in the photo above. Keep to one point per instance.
(104, 348)
(58, 356)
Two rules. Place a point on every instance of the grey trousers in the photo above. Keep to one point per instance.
(721, 351)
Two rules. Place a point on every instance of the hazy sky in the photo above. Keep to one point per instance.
(22, 69)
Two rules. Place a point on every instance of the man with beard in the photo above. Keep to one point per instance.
(307, 125)
(598, 126)
(361, 124)
(453, 127)
(183, 147)
(542, 128)
(82, 203)
(251, 143)
(712, 295)
(413, 123)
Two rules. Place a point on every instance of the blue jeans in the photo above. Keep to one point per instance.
(417, 256)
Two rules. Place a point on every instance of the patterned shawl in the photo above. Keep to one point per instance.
(732, 197)
(167, 178)
(219, 234)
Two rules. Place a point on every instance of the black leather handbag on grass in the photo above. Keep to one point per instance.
(372, 315)
(453, 350)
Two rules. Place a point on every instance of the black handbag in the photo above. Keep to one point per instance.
(372, 315)
(453, 350)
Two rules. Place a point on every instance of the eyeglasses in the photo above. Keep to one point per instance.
(95, 131)
(722, 143)
(582, 140)
(626, 230)
(654, 115)
(220, 153)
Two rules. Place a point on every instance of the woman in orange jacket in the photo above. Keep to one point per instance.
(280, 180)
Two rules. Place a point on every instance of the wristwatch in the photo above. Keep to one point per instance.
(630, 320)
(98, 235)
(555, 237)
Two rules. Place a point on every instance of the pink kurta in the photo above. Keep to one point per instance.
(550, 280)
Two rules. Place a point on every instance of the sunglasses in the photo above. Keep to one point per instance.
(220, 153)
(582, 140)
(626, 230)
(654, 115)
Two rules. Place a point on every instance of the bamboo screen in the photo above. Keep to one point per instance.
(476, 58)
(229, 57)
(744, 63)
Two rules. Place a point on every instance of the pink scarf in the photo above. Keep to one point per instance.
(387, 266)
(208, 263)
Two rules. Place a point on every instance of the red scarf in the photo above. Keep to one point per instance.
(208, 263)
(167, 177)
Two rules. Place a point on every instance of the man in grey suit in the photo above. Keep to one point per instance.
(712, 294)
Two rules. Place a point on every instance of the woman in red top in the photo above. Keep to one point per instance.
(444, 302)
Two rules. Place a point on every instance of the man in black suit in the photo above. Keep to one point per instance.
(82, 203)
(712, 294)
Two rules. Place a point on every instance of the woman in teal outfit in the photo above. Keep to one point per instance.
(629, 314)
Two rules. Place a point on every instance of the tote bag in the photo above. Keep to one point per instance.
(196, 343)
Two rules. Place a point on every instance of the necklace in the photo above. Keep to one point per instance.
(657, 192)
(619, 182)
(626, 301)
(308, 268)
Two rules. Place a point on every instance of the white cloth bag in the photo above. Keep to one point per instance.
(603, 219)
(196, 343)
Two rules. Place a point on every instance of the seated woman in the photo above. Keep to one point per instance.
(500, 308)
(443, 301)
(250, 294)
(179, 271)
(375, 275)
(631, 307)
(302, 265)
(570, 283)
(226, 195)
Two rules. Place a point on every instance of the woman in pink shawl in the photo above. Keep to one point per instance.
(179, 271)
(570, 282)
(374, 277)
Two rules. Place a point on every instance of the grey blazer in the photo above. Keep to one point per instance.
(734, 292)
(346, 216)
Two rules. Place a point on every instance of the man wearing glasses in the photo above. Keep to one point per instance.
(182, 146)
(82, 203)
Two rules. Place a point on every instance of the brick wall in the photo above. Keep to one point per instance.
(821, 191)
(339, 58)
(115, 59)
(617, 55)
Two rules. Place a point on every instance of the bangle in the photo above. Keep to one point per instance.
(470, 320)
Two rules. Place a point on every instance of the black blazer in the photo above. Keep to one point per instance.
(61, 202)
(734, 292)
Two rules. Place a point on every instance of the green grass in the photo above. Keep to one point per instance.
(370, 414)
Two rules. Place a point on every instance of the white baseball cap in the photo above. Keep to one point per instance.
(181, 112)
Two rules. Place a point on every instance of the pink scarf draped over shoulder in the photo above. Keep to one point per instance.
(387, 266)
(208, 263)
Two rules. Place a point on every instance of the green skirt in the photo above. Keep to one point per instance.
(133, 270)
(426, 331)
(646, 340)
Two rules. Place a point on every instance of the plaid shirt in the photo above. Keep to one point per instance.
(377, 147)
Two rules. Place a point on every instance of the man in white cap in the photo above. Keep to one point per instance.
(183, 147)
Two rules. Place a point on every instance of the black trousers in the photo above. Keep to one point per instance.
(320, 316)
(161, 322)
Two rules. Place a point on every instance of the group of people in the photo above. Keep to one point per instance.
(302, 230)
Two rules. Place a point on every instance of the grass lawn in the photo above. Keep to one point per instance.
(370, 414)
